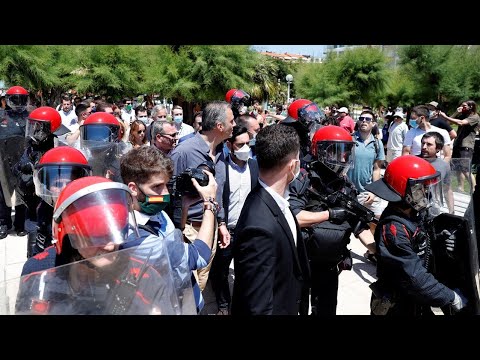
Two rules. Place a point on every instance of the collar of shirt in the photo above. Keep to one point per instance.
(142, 218)
(236, 166)
(358, 137)
(281, 201)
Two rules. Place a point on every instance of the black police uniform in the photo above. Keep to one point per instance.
(327, 241)
(404, 257)
(13, 124)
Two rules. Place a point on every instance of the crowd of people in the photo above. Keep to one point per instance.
(144, 208)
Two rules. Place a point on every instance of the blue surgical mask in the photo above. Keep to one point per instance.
(413, 123)
(178, 119)
(143, 119)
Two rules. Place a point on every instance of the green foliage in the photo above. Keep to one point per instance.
(357, 76)
(445, 73)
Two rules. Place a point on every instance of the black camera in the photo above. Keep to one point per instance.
(182, 183)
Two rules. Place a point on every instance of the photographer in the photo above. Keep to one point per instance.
(326, 226)
(217, 126)
(146, 172)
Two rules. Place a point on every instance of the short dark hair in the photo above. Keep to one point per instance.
(80, 108)
(139, 164)
(438, 139)
(102, 105)
(237, 131)
(275, 145)
(422, 110)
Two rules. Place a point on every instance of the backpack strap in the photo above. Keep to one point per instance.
(148, 228)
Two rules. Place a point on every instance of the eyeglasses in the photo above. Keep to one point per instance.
(174, 135)
(364, 118)
(140, 131)
(162, 116)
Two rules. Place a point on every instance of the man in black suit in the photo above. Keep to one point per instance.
(268, 250)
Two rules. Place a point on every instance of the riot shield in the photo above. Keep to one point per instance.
(177, 251)
(453, 211)
(117, 283)
(104, 157)
(12, 145)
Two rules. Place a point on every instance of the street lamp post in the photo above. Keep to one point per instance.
(289, 79)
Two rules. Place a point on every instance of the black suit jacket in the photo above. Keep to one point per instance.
(269, 268)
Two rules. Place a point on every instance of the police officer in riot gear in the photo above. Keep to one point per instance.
(305, 117)
(43, 125)
(326, 224)
(56, 168)
(406, 284)
(238, 98)
(100, 142)
(12, 133)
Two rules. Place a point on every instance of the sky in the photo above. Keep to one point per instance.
(314, 50)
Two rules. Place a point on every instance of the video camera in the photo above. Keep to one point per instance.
(181, 184)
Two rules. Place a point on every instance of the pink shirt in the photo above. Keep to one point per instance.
(348, 124)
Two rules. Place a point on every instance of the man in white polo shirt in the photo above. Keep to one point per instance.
(420, 123)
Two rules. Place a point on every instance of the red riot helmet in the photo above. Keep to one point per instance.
(305, 112)
(57, 168)
(94, 212)
(101, 127)
(42, 122)
(409, 178)
(334, 147)
(17, 98)
(237, 98)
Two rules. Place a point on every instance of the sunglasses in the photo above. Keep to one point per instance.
(170, 135)
(364, 118)
(140, 131)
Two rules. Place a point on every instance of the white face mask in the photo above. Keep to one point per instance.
(243, 153)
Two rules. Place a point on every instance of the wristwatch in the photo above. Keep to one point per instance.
(210, 206)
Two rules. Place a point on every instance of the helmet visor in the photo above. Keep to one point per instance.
(240, 98)
(50, 180)
(16, 101)
(37, 130)
(423, 192)
(98, 218)
(99, 132)
(310, 114)
(338, 156)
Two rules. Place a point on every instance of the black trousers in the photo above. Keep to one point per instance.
(219, 274)
(324, 289)
(6, 214)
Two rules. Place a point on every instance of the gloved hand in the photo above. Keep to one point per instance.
(338, 215)
(460, 301)
(449, 239)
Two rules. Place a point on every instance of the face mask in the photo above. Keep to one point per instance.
(413, 123)
(243, 153)
(178, 119)
(143, 119)
(297, 171)
(153, 204)
(128, 107)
